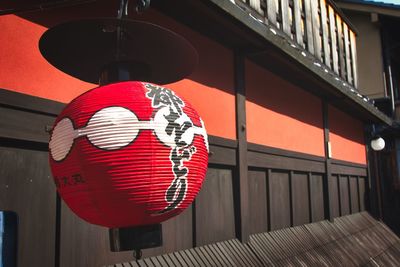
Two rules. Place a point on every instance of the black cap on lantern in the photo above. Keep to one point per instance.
(105, 50)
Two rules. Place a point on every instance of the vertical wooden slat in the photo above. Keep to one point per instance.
(279, 200)
(317, 197)
(316, 29)
(255, 4)
(325, 33)
(297, 21)
(344, 195)
(309, 26)
(271, 11)
(334, 196)
(342, 64)
(215, 222)
(286, 27)
(300, 199)
(258, 202)
(361, 192)
(347, 52)
(354, 58)
(332, 26)
(355, 205)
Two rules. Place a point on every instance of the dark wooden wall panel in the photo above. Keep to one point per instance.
(84, 244)
(361, 191)
(354, 199)
(334, 193)
(344, 195)
(177, 234)
(279, 199)
(88, 245)
(24, 125)
(300, 198)
(26, 188)
(214, 207)
(258, 201)
(317, 197)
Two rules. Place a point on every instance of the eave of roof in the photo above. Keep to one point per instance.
(370, 7)
(356, 240)
(382, 3)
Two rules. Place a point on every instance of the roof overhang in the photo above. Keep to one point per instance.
(369, 7)
(235, 27)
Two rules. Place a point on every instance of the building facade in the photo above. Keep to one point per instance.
(279, 92)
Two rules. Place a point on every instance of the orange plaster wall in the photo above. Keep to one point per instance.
(209, 89)
(24, 70)
(347, 137)
(281, 115)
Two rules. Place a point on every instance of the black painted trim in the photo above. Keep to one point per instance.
(282, 152)
(30, 103)
(222, 142)
(348, 163)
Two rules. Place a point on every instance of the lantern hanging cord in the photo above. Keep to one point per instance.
(141, 5)
(137, 254)
(123, 9)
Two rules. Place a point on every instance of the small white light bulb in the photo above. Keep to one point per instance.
(378, 144)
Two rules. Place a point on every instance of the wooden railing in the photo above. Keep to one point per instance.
(315, 25)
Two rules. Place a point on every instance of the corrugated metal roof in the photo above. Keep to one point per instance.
(395, 4)
(353, 240)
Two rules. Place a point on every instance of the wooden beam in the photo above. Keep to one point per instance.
(316, 29)
(242, 169)
(325, 34)
(271, 12)
(255, 4)
(297, 9)
(342, 62)
(309, 26)
(328, 164)
(347, 50)
(286, 26)
(334, 50)
(353, 49)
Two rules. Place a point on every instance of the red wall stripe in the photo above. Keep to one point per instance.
(282, 115)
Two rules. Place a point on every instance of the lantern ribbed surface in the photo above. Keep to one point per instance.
(128, 154)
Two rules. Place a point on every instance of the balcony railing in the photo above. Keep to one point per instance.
(317, 26)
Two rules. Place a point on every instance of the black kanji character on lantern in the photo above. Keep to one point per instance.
(78, 179)
(57, 181)
(65, 181)
(163, 97)
(181, 151)
(177, 190)
(179, 129)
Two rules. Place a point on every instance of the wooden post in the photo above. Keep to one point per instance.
(242, 170)
(328, 164)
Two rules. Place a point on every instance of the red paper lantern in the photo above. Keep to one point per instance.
(128, 154)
